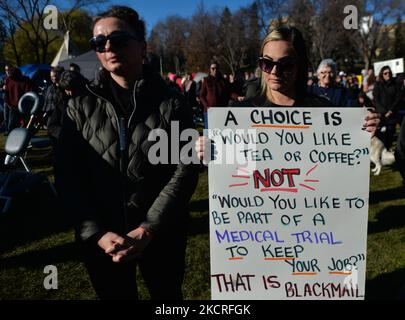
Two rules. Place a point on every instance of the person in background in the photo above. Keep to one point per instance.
(343, 78)
(352, 91)
(52, 93)
(369, 85)
(171, 80)
(400, 150)
(252, 85)
(215, 91)
(54, 99)
(284, 74)
(5, 110)
(326, 86)
(70, 85)
(370, 73)
(364, 77)
(387, 99)
(338, 81)
(400, 146)
(74, 67)
(15, 86)
(236, 87)
(190, 91)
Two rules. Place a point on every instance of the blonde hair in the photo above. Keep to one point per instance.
(294, 37)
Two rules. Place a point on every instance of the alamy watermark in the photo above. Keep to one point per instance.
(51, 17)
(351, 21)
(237, 146)
(51, 280)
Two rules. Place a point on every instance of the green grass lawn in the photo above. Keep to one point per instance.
(35, 236)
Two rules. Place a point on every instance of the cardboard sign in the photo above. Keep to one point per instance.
(288, 195)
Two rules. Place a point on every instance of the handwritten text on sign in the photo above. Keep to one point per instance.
(288, 192)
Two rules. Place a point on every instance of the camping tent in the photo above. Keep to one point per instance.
(87, 62)
(66, 51)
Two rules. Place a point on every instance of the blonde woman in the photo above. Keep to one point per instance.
(284, 73)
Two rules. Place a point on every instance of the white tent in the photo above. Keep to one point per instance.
(65, 52)
(88, 63)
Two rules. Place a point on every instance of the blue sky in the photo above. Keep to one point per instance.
(154, 10)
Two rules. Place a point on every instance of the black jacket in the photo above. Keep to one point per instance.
(400, 150)
(93, 174)
(387, 96)
(53, 96)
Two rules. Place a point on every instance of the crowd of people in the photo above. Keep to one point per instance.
(128, 212)
(384, 92)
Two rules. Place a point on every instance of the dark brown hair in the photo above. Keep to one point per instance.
(126, 14)
(380, 75)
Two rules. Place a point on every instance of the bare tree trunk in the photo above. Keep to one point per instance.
(13, 44)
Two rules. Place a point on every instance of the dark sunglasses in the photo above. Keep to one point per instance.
(117, 39)
(284, 65)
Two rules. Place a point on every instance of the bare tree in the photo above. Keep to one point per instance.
(168, 41)
(328, 36)
(271, 13)
(301, 15)
(374, 17)
(201, 42)
(231, 48)
(252, 37)
(27, 16)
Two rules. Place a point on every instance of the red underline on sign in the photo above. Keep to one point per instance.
(309, 180)
(278, 126)
(235, 258)
(304, 273)
(340, 273)
(236, 176)
(238, 184)
(279, 189)
(308, 187)
(271, 259)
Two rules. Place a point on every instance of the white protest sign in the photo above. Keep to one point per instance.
(396, 65)
(288, 194)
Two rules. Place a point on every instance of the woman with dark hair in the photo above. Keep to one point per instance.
(284, 64)
(387, 99)
(128, 210)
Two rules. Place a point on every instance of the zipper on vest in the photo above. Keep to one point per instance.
(134, 97)
(122, 132)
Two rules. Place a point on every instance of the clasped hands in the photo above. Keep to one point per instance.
(124, 248)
